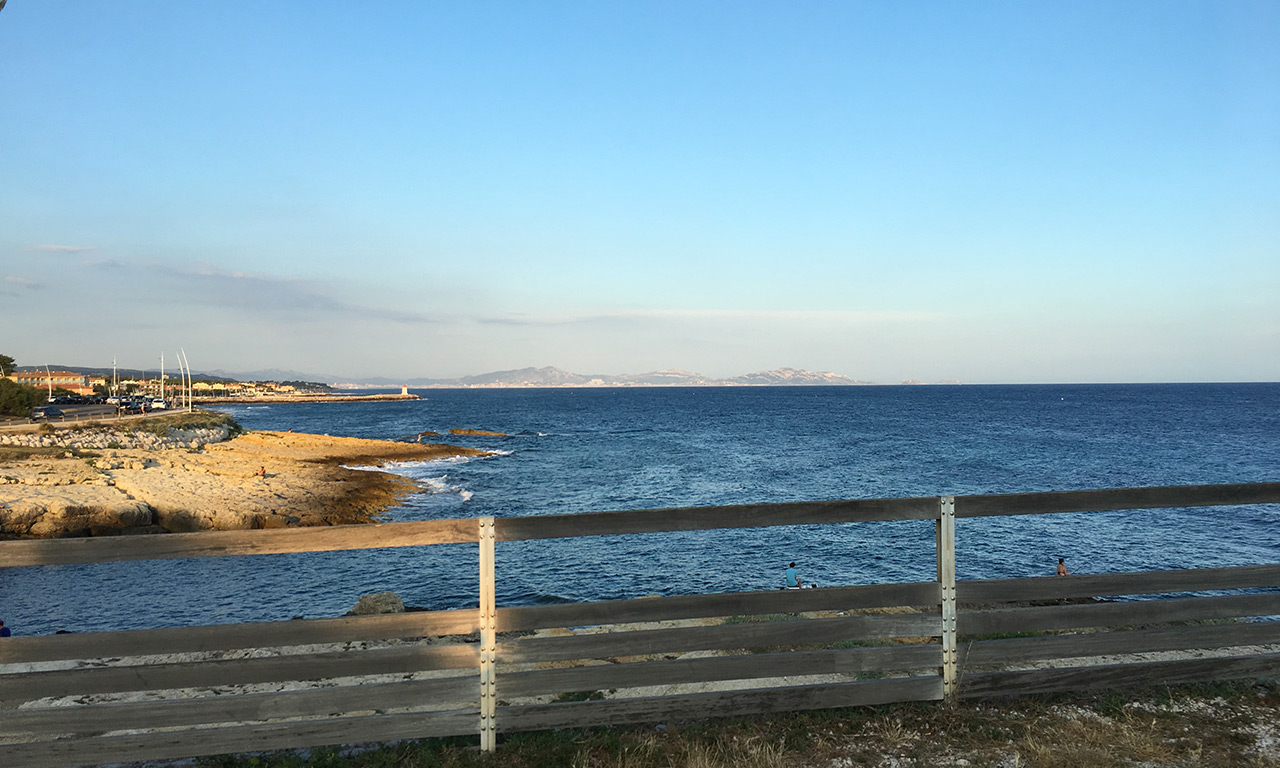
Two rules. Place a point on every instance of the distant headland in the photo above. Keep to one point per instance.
(291, 386)
(550, 376)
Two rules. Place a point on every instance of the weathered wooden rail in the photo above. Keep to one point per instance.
(191, 691)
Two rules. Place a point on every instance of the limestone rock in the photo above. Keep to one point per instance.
(126, 514)
(52, 512)
(182, 521)
(235, 520)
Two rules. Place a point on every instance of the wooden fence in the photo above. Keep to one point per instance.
(79, 699)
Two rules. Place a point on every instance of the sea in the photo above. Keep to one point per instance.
(595, 449)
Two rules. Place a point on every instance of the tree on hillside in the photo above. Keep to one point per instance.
(6, 365)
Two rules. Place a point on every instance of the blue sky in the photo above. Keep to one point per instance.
(986, 192)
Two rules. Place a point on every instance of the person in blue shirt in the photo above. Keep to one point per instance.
(4, 631)
(793, 577)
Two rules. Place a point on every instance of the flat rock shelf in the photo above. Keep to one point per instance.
(97, 482)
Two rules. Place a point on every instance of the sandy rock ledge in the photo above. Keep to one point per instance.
(111, 482)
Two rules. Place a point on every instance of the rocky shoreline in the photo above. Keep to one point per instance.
(105, 481)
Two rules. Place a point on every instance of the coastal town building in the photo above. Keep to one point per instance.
(159, 386)
(68, 380)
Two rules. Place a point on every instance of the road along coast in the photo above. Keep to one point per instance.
(102, 481)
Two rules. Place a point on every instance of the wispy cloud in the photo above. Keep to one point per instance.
(15, 287)
(531, 320)
(49, 248)
(845, 315)
(209, 285)
(833, 317)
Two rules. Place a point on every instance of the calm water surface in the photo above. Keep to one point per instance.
(571, 451)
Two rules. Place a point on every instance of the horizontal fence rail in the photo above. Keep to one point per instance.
(428, 532)
(190, 691)
(1110, 500)
(230, 637)
(1118, 584)
(229, 543)
(724, 604)
(421, 533)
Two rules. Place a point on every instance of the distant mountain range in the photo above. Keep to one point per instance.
(555, 377)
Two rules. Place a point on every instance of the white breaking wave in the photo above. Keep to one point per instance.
(429, 477)
(435, 484)
(443, 485)
(410, 466)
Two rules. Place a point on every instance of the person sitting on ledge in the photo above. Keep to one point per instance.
(4, 631)
(793, 577)
(1062, 567)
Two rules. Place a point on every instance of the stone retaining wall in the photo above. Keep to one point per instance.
(101, 438)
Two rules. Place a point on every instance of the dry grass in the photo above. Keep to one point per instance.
(651, 750)
(1205, 726)
(1211, 726)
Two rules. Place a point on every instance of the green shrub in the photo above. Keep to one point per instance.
(18, 399)
(198, 420)
(163, 425)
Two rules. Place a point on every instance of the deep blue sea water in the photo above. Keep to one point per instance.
(586, 450)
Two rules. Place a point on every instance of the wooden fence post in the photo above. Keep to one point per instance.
(946, 546)
(488, 639)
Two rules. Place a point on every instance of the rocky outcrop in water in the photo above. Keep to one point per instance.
(377, 603)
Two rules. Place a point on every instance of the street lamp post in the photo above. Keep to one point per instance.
(187, 366)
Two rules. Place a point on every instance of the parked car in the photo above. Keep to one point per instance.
(158, 405)
(48, 413)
